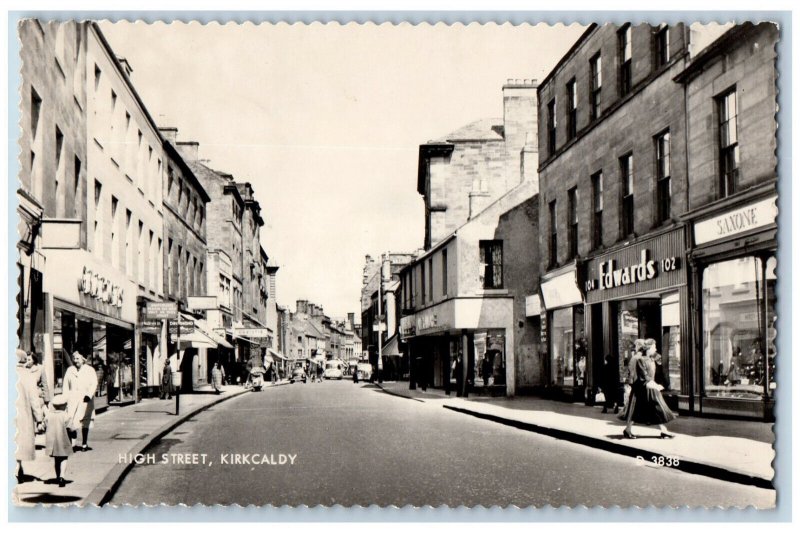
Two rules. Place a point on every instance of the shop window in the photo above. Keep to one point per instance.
(597, 210)
(492, 261)
(625, 54)
(728, 144)
(567, 347)
(596, 66)
(424, 282)
(739, 328)
(444, 272)
(663, 182)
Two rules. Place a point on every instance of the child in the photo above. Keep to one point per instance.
(57, 441)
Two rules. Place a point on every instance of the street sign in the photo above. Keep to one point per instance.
(168, 310)
(150, 326)
(187, 326)
(379, 327)
(251, 332)
(201, 303)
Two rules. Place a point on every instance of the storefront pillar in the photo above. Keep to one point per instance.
(465, 364)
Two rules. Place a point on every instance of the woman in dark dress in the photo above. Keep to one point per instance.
(647, 405)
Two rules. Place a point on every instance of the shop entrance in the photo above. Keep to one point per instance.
(635, 319)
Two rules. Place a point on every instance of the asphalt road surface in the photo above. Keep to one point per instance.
(356, 445)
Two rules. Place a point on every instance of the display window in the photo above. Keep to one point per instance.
(567, 347)
(739, 328)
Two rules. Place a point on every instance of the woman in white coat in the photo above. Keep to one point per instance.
(28, 415)
(80, 385)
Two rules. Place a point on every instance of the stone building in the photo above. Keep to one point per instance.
(184, 201)
(466, 170)
(730, 94)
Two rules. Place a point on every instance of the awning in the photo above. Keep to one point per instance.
(207, 336)
(561, 290)
(391, 347)
(196, 340)
(273, 353)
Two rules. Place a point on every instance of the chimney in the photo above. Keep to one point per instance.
(351, 318)
(478, 200)
(126, 66)
(189, 150)
(519, 121)
(301, 306)
(170, 134)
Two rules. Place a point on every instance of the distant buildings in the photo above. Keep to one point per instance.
(116, 214)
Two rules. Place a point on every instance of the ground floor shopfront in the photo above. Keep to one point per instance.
(461, 345)
(639, 291)
(734, 274)
(91, 308)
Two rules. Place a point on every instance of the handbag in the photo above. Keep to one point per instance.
(600, 397)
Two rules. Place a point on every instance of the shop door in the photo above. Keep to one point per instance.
(635, 319)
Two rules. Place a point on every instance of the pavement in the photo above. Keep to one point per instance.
(739, 451)
(92, 476)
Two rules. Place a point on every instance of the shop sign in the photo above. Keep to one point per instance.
(543, 331)
(168, 310)
(613, 275)
(150, 326)
(251, 332)
(561, 290)
(100, 288)
(201, 303)
(427, 321)
(186, 326)
(740, 220)
(408, 326)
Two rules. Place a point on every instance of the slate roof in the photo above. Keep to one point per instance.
(487, 129)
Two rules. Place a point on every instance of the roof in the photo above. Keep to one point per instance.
(486, 129)
(566, 57)
(720, 46)
(186, 170)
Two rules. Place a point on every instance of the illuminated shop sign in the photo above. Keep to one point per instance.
(100, 288)
(612, 274)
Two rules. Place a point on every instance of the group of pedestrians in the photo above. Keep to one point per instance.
(59, 417)
(644, 404)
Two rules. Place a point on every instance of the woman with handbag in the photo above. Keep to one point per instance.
(647, 405)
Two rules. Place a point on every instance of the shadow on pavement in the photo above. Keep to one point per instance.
(51, 498)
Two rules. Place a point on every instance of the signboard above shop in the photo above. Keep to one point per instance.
(201, 303)
(737, 221)
(251, 332)
(161, 310)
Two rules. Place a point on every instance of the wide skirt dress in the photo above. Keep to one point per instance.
(648, 405)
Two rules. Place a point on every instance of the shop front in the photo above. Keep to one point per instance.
(562, 323)
(734, 274)
(640, 291)
(91, 309)
(435, 338)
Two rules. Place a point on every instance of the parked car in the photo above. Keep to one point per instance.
(298, 374)
(333, 369)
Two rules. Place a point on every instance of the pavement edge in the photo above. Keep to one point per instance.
(688, 466)
(399, 395)
(105, 490)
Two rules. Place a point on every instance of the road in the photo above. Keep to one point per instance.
(356, 445)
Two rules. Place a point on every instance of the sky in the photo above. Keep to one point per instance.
(325, 122)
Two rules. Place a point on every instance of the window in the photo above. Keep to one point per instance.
(568, 357)
(625, 52)
(170, 179)
(423, 282)
(597, 210)
(626, 204)
(553, 235)
(36, 109)
(492, 261)
(113, 100)
(551, 127)
(596, 64)
(663, 184)
(97, 74)
(444, 272)
(572, 199)
(572, 110)
(728, 144)
(739, 327)
(98, 219)
(430, 277)
(128, 240)
(114, 234)
(140, 254)
(59, 146)
(661, 46)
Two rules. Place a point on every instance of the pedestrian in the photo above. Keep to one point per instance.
(355, 374)
(487, 368)
(33, 362)
(166, 381)
(459, 369)
(28, 416)
(319, 372)
(217, 375)
(80, 386)
(647, 406)
(57, 441)
(610, 385)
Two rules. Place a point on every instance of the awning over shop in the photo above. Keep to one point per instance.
(392, 347)
(561, 290)
(273, 353)
(203, 335)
